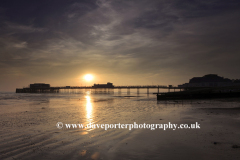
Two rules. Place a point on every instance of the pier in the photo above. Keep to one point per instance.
(97, 88)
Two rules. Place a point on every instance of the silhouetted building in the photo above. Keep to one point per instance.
(108, 85)
(39, 85)
(209, 80)
(236, 81)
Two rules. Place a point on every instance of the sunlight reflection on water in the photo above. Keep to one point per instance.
(89, 109)
(89, 112)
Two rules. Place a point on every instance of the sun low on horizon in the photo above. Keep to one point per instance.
(88, 77)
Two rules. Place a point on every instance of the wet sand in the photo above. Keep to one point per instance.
(28, 128)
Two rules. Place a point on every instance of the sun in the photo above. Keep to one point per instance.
(88, 77)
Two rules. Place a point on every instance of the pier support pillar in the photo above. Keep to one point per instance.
(137, 90)
(128, 91)
(147, 90)
(105, 90)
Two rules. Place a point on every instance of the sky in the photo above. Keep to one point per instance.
(126, 42)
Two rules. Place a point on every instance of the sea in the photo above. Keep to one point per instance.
(34, 126)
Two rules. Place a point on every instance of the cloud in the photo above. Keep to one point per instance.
(20, 45)
(154, 38)
(18, 28)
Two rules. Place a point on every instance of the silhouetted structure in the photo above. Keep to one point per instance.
(209, 80)
(38, 88)
(39, 85)
(236, 81)
(108, 85)
(208, 86)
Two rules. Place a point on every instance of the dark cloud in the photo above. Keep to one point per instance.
(153, 39)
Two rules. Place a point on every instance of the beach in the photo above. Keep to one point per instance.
(28, 127)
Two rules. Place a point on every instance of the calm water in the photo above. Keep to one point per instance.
(28, 127)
